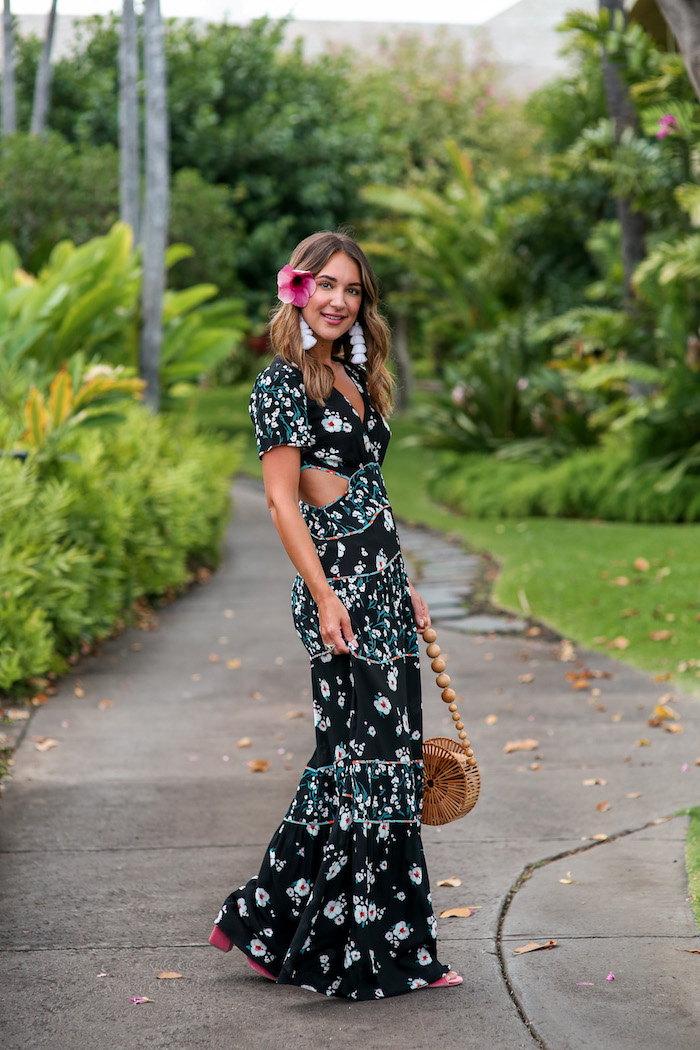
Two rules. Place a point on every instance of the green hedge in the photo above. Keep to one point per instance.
(595, 483)
(128, 512)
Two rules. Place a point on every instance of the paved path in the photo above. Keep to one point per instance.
(118, 845)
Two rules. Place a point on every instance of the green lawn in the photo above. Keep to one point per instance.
(576, 576)
(692, 853)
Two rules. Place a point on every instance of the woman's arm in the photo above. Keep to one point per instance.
(421, 613)
(281, 469)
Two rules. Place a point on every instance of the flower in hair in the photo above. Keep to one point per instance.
(295, 286)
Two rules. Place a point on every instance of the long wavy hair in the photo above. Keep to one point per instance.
(312, 254)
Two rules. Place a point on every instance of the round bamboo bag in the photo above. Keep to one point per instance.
(451, 779)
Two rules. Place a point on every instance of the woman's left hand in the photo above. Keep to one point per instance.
(421, 613)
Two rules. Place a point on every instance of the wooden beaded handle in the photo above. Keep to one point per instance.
(448, 694)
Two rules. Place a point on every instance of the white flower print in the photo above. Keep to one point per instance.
(345, 820)
(257, 947)
(401, 896)
(371, 731)
(268, 931)
(324, 687)
(325, 962)
(424, 957)
(415, 874)
(332, 423)
(361, 913)
(382, 705)
(242, 907)
(382, 561)
(312, 829)
(372, 911)
(220, 916)
(383, 830)
(401, 930)
(392, 678)
(388, 520)
(261, 897)
(383, 865)
(333, 909)
(417, 982)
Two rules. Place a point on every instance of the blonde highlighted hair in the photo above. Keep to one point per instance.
(312, 254)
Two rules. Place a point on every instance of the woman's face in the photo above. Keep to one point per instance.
(333, 308)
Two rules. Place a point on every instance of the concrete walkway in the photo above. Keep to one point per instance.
(119, 843)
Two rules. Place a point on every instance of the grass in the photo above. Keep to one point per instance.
(569, 574)
(692, 854)
(577, 576)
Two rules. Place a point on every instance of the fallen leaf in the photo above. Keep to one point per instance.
(580, 683)
(593, 781)
(45, 743)
(525, 678)
(619, 581)
(628, 612)
(259, 765)
(17, 714)
(233, 665)
(533, 946)
(456, 913)
(491, 720)
(567, 653)
(255, 695)
(454, 881)
(229, 614)
(643, 742)
(633, 794)
(660, 636)
(214, 658)
(294, 714)
(136, 646)
(520, 745)
(243, 742)
(642, 564)
(617, 717)
(104, 704)
(103, 973)
(168, 975)
(533, 632)
(603, 807)
(39, 699)
(142, 999)
(568, 881)
(79, 692)
(597, 838)
(585, 984)
(610, 977)
(619, 643)
(535, 767)
(675, 728)
(665, 676)
(690, 951)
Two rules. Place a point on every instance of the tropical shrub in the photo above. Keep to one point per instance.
(86, 300)
(123, 511)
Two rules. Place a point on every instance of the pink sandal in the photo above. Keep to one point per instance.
(261, 969)
(448, 980)
(219, 939)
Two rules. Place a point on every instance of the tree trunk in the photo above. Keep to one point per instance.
(42, 87)
(623, 115)
(402, 358)
(9, 111)
(683, 17)
(155, 222)
(129, 153)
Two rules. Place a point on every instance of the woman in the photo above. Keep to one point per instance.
(341, 904)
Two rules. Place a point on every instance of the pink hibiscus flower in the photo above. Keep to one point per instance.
(295, 286)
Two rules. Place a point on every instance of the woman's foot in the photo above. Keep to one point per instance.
(219, 939)
(260, 969)
(448, 980)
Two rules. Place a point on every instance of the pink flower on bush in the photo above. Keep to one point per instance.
(666, 123)
(295, 286)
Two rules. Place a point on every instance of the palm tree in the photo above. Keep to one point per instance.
(42, 86)
(155, 220)
(129, 153)
(9, 118)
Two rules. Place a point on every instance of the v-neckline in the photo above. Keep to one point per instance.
(349, 402)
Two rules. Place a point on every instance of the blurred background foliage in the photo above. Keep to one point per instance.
(493, 222)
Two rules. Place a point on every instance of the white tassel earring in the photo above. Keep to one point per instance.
(308, 339)
(359, 347)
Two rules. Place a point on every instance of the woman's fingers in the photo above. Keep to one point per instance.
(336, 630)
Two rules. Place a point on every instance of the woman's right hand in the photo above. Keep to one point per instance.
(334, 622)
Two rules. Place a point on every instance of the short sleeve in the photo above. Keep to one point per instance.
(278, 409)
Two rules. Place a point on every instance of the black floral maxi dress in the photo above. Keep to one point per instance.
(342, 904)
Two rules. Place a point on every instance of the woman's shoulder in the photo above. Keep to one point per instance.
(280, 376)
